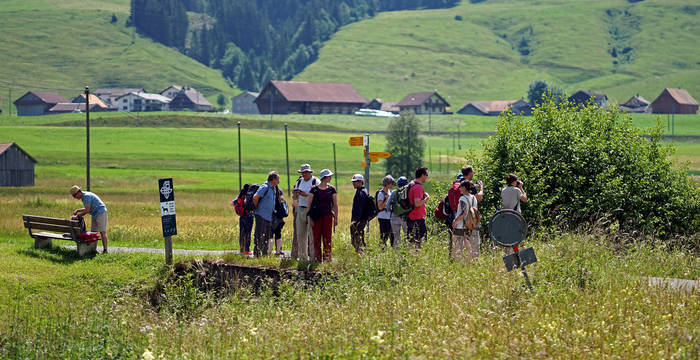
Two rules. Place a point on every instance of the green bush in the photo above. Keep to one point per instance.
(585, 165)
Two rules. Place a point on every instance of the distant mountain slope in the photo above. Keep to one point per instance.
(494, 49)
(63, 45)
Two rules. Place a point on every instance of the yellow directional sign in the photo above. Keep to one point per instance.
(364, 164)
(356, 141)
(373, 159)
(383, 155)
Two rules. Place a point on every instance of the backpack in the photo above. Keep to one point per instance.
(454, 195)
(238, 205)
(371, 209)
(439, 211)
(400, 204)
(248, 204)
(473, 218)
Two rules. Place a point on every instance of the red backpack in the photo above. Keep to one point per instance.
(239, 206)
(453, 195)
(439, 212)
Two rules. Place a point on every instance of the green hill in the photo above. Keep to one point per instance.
(63, 45)
(494, 49)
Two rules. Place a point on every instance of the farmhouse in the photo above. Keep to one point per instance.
(171, 91)
(495, 107)
(636, 104)
(244, 103)
(93, 100)
(140, 101)
(35, 103)
(424, 103)
(582, 97)
(674, 101)
(111, 94)
(379, 104)
(62, 108)
(284, 97)
(190, 99)
(16, 166)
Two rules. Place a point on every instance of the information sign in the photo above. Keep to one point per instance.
(167, 206)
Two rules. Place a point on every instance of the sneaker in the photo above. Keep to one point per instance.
(247, 253)
(104, 251)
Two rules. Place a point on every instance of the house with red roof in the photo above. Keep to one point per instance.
(424, 103)
(285, 97)
(674, 101)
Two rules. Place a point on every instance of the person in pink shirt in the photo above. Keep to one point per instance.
(416, 217)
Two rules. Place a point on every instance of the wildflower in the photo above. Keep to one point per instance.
(147, 355)
(378, 338)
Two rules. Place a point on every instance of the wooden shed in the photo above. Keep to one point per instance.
(285, 97)
(674, 101)
(16, 166)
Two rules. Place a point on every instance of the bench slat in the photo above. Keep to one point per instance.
(52, 236)
(49, 220)
(50, 227)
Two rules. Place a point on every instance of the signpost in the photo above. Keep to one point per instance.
(508, 228)
(167, 215)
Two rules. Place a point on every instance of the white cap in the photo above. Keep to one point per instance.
(358, 177)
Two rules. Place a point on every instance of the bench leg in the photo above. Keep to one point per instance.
(42, 242)
(87, 248)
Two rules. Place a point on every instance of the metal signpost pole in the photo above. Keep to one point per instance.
(286, 144)
(335, 168)
(367, 161)
(87, 142)
(240, 171)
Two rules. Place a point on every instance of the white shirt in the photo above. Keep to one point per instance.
(464, 203)
(305, 186)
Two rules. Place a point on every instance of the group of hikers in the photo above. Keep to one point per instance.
(315, 213)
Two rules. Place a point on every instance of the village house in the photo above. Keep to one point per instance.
(284, 97)
(244, 103)
(495, 107)
(379, 104)
(142, 102)
(171, 91)
(674, 101)
(582, 97)
(109, 95)
(36, 103)
(189, 99)
(16, 166)
(423, 103)
(636, 104)
(63, 108)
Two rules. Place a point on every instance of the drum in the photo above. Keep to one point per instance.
(508, 228)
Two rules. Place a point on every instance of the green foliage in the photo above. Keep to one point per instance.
(221, 100)
(405, 145)
(539, 89)
(584, 165)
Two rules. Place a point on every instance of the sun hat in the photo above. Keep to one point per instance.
(326, 172)
(305, 168)
(358, 177)
(388, 180)
(402, 181)
(74, 190)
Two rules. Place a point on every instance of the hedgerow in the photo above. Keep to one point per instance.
(583, 165)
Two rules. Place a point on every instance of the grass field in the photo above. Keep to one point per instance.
(499, 47)
(62, 46)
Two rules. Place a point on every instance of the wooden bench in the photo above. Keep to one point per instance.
(61, 229)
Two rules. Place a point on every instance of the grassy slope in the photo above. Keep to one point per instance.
(478, 58)
(50, 45)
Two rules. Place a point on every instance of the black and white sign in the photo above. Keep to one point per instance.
(167, 206)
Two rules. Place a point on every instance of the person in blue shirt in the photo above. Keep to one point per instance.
(264, 201)
(94, 206)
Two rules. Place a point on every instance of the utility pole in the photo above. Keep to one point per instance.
(87, 142)
(367, 161)
(270, 95)
(335, 168)
(9, 99)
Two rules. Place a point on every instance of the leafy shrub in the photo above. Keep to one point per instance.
(405, 144)
(585, 165)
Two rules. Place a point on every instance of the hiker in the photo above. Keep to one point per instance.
(304, 239)
(384, 216)
(511, 196)
(264, 203)
(398, 222)
(359, 213)
(94, 206)
(323, 215)
(416, 218)
(245, 222)
(281, 212)
(465, 242)
(468, 174)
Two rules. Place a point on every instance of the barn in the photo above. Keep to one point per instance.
(674, 101)
(285, 97)
(35, 103)
(244, 103)
(16, 166)
(636, 104)
(424, 103)
(582, 97)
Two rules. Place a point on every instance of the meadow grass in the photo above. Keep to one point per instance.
(588, 301)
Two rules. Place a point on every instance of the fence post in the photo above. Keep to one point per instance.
(286, 144)
(335, 168)
(240, 171)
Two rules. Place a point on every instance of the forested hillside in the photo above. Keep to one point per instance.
(255, 41)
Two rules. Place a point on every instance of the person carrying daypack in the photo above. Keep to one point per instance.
(246, 220)
(465, 241)
(304, 239)
(264, 202)
(281, 211)
(417, 231)
(384, 216)
(360, 213)
(398, 222)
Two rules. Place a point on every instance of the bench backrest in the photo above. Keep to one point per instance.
(52, 224)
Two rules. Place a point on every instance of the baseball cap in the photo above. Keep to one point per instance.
(358, 177)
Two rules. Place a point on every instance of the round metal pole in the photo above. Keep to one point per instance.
(240, 171)
(87, 142)
(367, 161)
(335, 168)
(286, 145)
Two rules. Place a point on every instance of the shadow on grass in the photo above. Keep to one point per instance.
(56, 254)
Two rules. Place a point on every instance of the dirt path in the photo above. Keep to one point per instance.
(117, 249)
